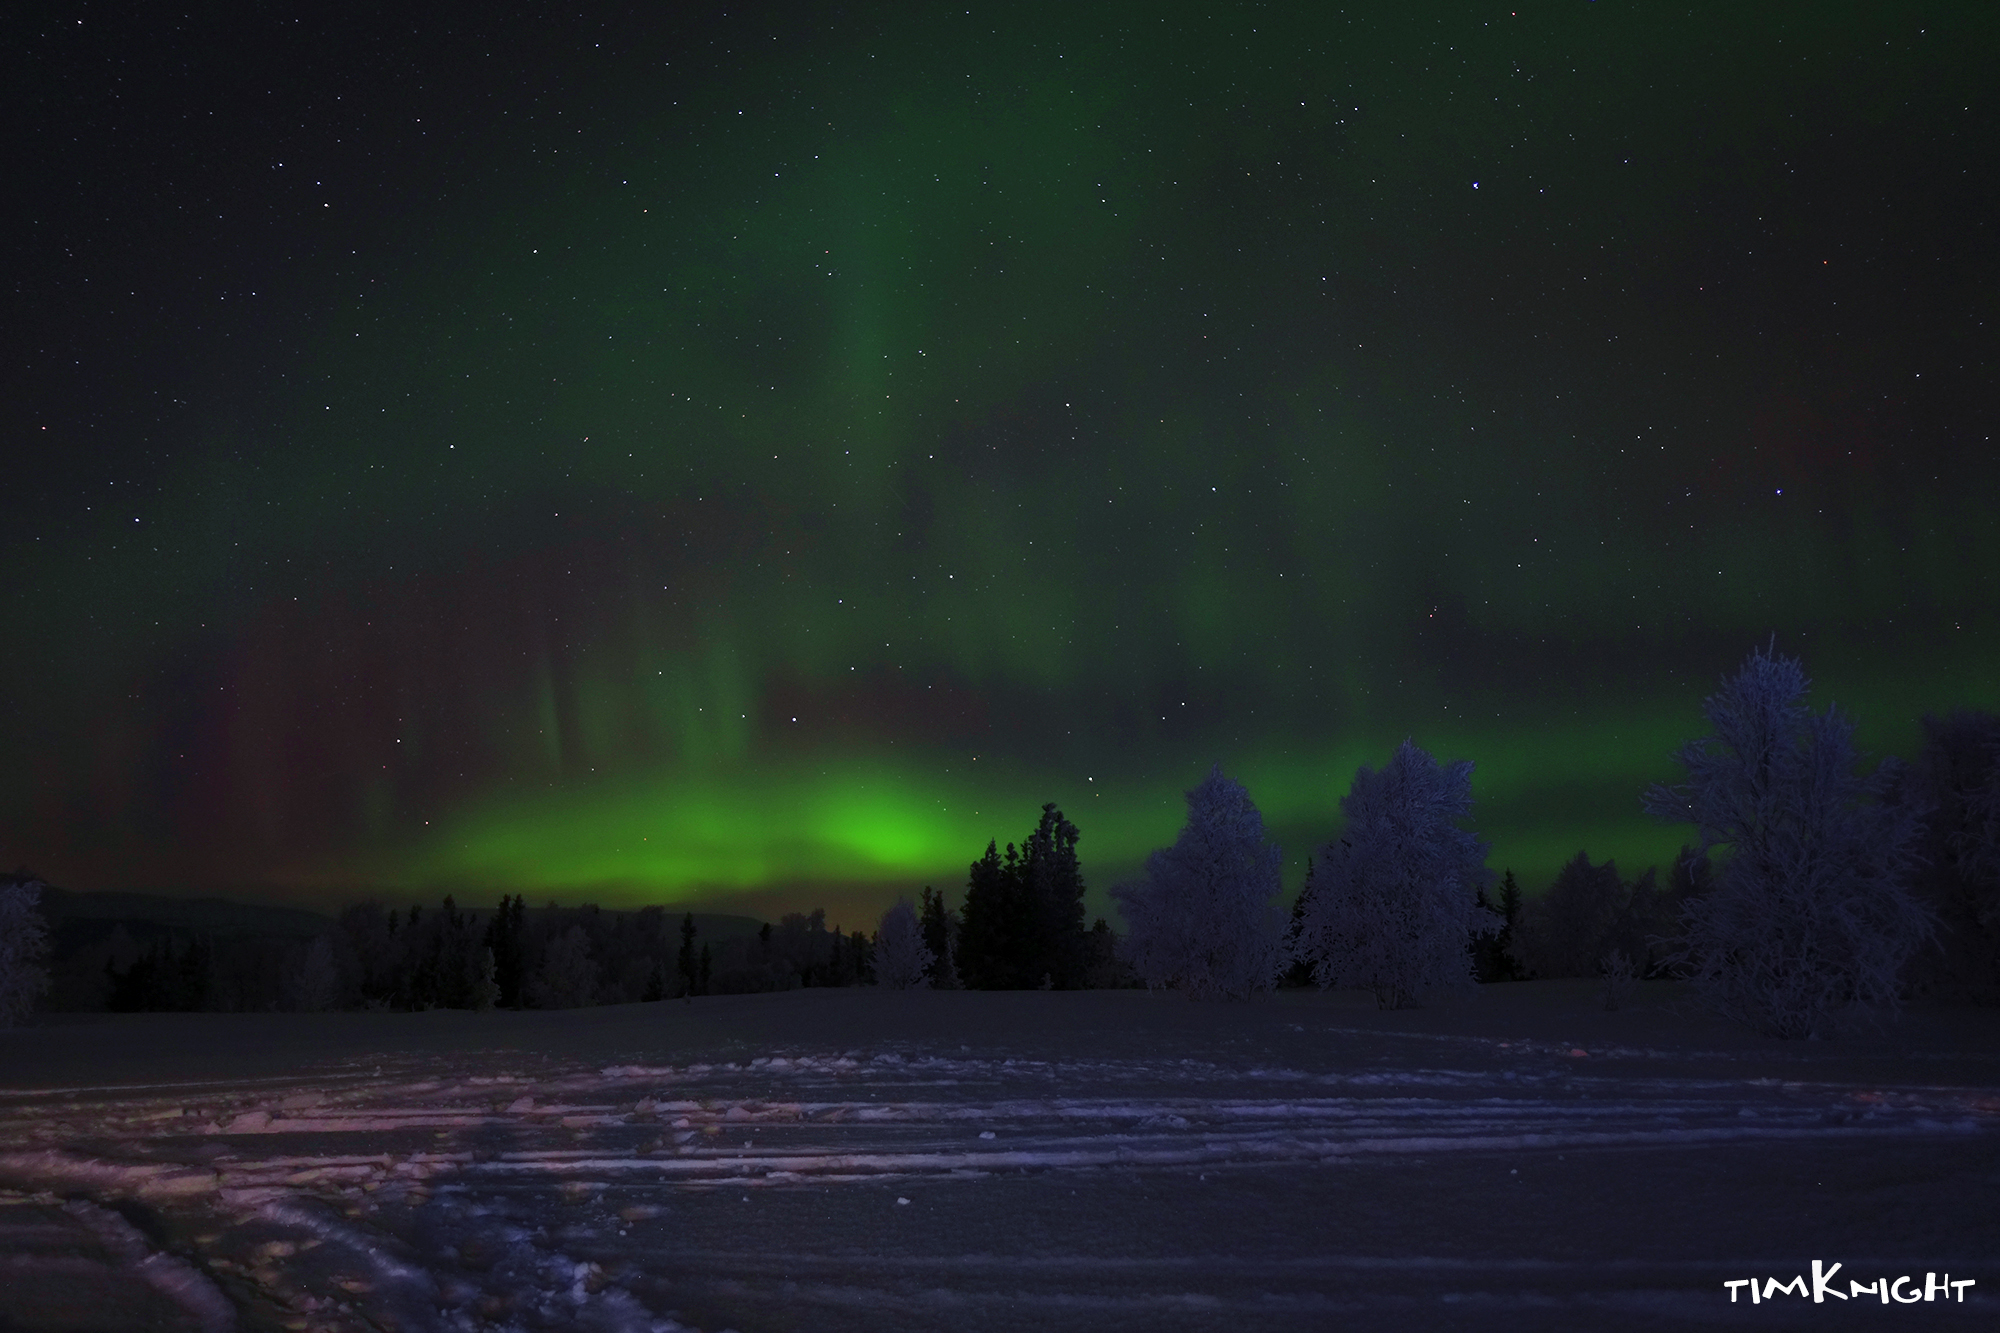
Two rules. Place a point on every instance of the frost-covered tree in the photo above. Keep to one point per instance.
(902, 959)
(24, 947)
(1395, 901)
(314, 985)
(1809, 919)
(1204, 918)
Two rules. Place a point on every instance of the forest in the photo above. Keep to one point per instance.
(1815, 894)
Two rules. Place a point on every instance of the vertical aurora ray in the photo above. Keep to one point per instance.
(672, 499)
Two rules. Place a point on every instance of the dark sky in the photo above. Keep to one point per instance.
(753, 457)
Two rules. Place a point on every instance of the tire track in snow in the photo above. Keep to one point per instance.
(433, 1198)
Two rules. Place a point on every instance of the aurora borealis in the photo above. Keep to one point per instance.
(753, 459)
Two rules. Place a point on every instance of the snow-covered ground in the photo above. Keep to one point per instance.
(866, 1160)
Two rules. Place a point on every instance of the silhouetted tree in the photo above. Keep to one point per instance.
(940, 929)
(1493, 955)
(1023, 916)
(1565, 931)
(862, 950)
(504, 934)
(1957, 776)
(567, 978)
(992, 936)
(689, 964)
(1298, 967)
(1101, 965)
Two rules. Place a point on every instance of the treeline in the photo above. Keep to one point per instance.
(1839, 892)
(1591, 919)
(511, 957)
(1835, 892)
(1021, 927)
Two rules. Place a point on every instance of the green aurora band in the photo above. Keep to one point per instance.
(769, 489)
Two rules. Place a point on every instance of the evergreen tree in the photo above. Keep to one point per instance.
(1298, 966)
(1053, 889)
(1568, 929)
(1100, 957)
(503, 938)
(991, 937)
(940, 931)
(194, 975)
(1203, 919)
(1957, 776)
(1023, 918)
(1810, 918)
(1493, 955)
(688, 963)
(485, 988)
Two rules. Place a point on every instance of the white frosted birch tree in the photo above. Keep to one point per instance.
(1204, 917)
(1810, 920)
(1395, 900)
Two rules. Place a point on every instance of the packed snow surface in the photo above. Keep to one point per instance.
(837, 1160)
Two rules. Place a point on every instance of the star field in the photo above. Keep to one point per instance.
(757, 458)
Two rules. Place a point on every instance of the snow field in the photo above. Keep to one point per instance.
(919, 1183)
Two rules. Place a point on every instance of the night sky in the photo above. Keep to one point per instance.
(751, 458)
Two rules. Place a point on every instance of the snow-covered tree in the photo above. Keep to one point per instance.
(1204, 916)
(1395, 902)
(314, 985)
(24, 946)
(902, 959)
(1810, 918)
(568, 975)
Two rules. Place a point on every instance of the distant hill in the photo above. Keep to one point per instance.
(714, 926)
(188, 916)
(91, 915)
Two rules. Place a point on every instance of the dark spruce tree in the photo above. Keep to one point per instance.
(1023, 920)
(940, 933)
(989, 937)
(1299, 970)
(1492, 955)
(504, 933)
(689, 964)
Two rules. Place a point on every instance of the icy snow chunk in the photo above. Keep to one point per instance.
(250, 1121)
(521, 1105)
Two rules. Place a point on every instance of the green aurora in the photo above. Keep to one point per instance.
(756, 473)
